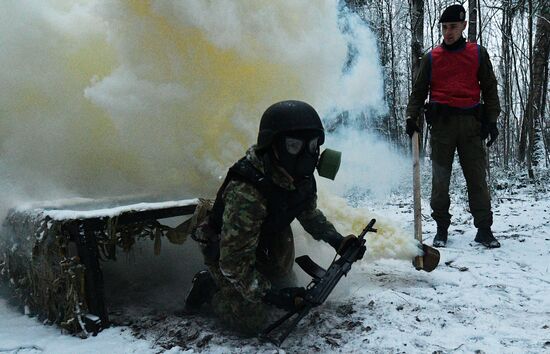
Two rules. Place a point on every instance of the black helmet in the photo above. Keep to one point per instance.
(286, 116)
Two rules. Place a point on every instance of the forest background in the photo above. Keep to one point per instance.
(517, 36)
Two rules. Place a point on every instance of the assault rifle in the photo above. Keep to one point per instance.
(322, 284)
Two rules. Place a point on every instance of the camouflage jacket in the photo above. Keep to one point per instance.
(487, 83)
(244, 212)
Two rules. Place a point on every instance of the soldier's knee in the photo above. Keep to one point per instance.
(239, 315)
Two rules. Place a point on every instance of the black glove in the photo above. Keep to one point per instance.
(411, 127)
(287, 298)
(493, 132)
(351, 241)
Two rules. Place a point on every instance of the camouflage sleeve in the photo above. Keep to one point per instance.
(420, 88)
(316, 224)
(488, 84)
(245, 210)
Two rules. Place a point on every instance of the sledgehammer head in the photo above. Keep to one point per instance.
(428, 261)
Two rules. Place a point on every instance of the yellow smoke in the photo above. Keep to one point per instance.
(389, 241)
(119, 97)
(103, 98)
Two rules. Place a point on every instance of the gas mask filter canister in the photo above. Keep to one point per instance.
(329, 163)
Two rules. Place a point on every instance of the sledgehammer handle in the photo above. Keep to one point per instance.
(416, 194)
(416, 189)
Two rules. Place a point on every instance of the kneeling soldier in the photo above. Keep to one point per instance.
(247, 241)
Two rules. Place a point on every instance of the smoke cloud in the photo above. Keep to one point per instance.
(103, 98)
(106, 98)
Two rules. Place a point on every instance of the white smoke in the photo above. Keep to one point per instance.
(370, 167)
(102, 98)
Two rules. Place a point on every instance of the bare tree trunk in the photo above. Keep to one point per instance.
(525, 147)
(429, 12)
(527, 123)
(472, 21)
(385, 60)
(393, 101)
(417, 32)
(417, 45)
(520, 142)
(530, 124)
(539, 64)
(543, 126)
(480, 40)
(505, 66)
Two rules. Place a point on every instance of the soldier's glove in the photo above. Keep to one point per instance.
(411, 127)
(493, 132)
(348, 242)
(286, 299)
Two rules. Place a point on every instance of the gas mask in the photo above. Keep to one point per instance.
(298, 154)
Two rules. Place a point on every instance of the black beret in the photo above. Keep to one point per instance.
(454, 13)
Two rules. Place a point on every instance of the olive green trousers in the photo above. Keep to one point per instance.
(274, 259)
(459, 133)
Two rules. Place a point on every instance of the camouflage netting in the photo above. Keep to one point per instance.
(40, 260)
(42, 268)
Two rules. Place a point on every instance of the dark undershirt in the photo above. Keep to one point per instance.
(459, 44)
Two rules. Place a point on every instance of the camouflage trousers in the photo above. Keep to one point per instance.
(274, 259)
(459, 133)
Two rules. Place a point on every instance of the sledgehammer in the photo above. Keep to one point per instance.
(430, 259)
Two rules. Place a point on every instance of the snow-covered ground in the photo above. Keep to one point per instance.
(476, 301)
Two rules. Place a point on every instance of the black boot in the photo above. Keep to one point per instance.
(440, 239)
(201, 292)
(486, 238)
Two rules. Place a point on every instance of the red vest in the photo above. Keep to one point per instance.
(454, 79)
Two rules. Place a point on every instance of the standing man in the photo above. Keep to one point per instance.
(247, 242)
(455, 75)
